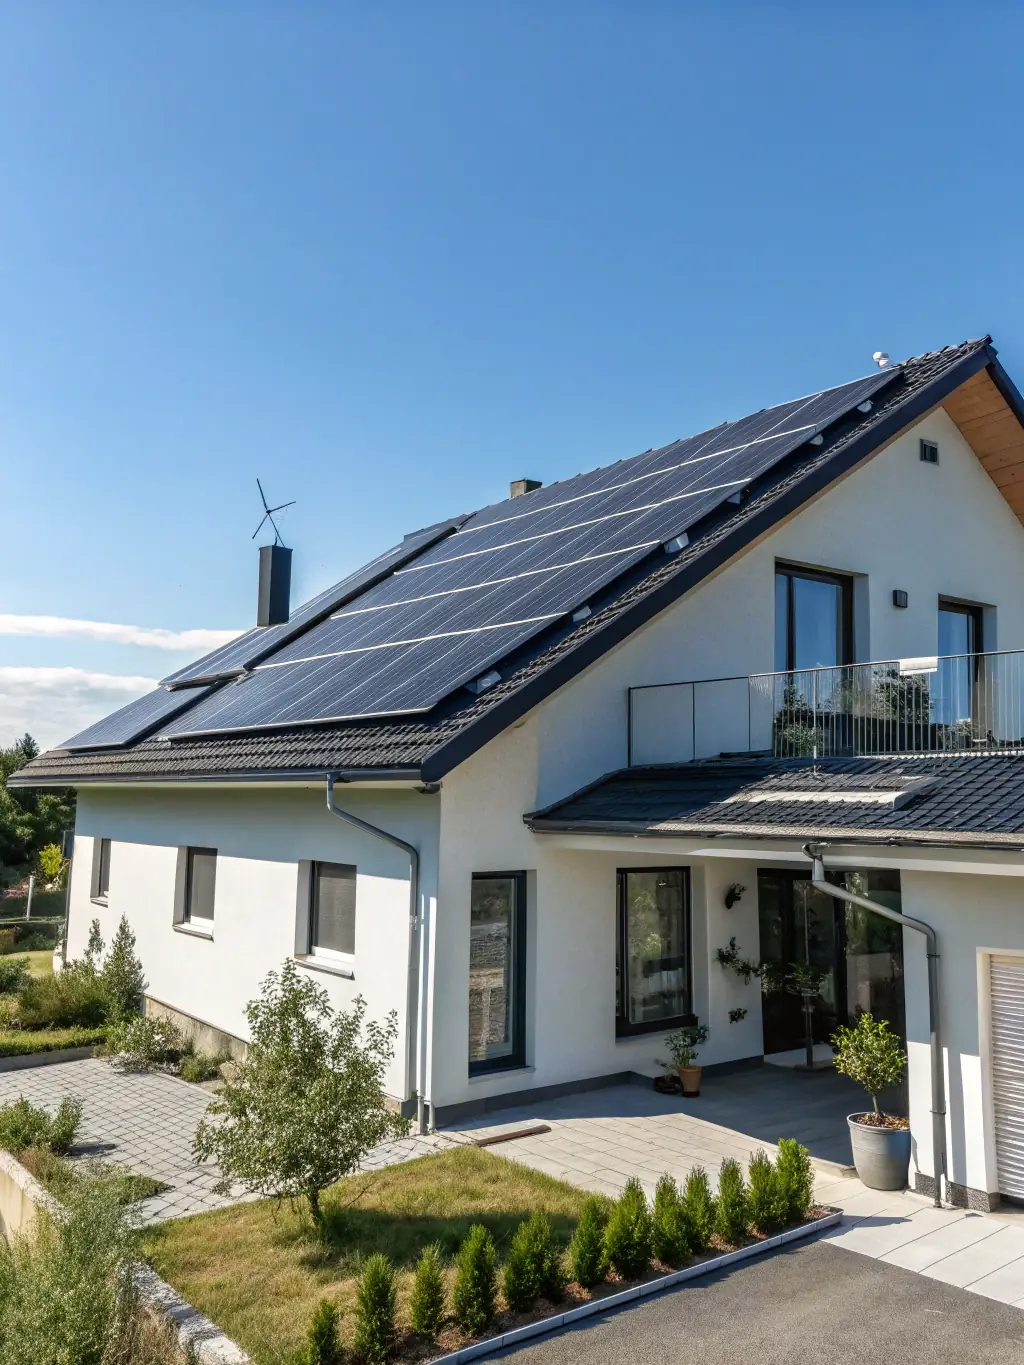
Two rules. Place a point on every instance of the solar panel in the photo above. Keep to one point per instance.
(424, 626)
(135, 720)
(248, 649)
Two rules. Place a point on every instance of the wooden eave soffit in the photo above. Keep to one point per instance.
(989, 427)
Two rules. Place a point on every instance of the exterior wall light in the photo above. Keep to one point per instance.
(899, 597)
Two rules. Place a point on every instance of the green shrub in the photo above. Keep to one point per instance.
(122, 976)
(375, 1310)
(142, 1042)
(428, 1298)
(629, 1236)
(25, 1125)
(586, 1250)
(13, 975)
(72, 997)
(671, 1231)
(476, 1272)
(322, 1346)
(795, 1178)
(699, 1207)
(732, 1215)
(521, 1279)
(198, 1066)
(767, 1207)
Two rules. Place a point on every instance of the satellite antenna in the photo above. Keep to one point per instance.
(268, 515)
(881, 359)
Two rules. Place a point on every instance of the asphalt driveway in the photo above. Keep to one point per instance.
(812, 1305)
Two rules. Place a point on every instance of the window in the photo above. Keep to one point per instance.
(959, 628)
(497, 976)
(929, 452)
(332, 911)
(653, 986)
(101, 870)
(200, 880)
(954, 690)
(813, 619)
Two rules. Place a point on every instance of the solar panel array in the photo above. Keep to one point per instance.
(410, 630)
(134, 720)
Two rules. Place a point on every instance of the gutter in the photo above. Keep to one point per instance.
(265, 775)
(819, 882)
(414, 998)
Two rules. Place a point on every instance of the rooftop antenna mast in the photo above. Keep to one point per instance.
(268, 515)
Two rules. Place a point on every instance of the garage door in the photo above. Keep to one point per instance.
(1007, 982)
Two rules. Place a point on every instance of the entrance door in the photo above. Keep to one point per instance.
(857, 956)
(1006, 979)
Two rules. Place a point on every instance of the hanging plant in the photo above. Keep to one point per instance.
(733, 895)
(736, 1015)
(743, 967)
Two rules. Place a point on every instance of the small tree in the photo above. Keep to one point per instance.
(94, 947)
(766, 1202)
(52, 865)
(870, 1055)
(122, 975)
(586, 1250)
(308, 1102)
(699, 1206)
(322, 1346)
(375, 1310)
(796, 1179)
(671, 1228)
(475, 1281)
(629, 1236)
(428, 1294)
(732, 1213)
(520, 1281)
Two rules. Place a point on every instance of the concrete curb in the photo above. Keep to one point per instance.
(209, 1343)
(59, 1054)
(585, 1310)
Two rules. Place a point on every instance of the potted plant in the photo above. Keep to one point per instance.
(876, 1059)
(682, 1047)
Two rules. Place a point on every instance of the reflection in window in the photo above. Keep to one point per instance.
(953, 689)
(496, 971)
(653, 976)
(812, 620)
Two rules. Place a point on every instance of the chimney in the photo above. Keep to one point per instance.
(518, 487)
(275, 585)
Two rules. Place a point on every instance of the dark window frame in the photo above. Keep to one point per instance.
(101, 874)
(516, 1059)
(929, 452)
(313, 948)
(974, 613)
(840, 580)
(187, 916)
(624, 1028)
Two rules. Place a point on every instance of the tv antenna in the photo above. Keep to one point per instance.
(268, 515)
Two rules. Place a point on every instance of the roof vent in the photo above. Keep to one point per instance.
(485, 682)
(881, 359)
(275, 585)
(518, 487)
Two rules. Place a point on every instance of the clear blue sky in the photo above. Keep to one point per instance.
(389, 256)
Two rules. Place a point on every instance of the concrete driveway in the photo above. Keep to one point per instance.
(811, 1305)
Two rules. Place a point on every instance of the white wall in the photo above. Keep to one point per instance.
(942, 530)
(260, 836)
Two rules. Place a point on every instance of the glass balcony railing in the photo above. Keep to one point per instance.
(925, 705)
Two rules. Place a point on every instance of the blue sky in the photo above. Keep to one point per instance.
(390, 256)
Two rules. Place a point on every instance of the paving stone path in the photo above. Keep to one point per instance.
(146, 1122)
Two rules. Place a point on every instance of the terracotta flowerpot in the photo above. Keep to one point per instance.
(689, 1079)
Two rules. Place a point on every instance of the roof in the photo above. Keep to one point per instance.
(431, 742)
(939, 799)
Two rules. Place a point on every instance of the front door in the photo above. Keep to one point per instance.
(856, 956)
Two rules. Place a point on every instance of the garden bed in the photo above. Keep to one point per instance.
(258, 1271)
(27, 1042)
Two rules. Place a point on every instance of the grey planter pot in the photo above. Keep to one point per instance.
(881, 1155)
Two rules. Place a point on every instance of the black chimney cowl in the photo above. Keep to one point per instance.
(275, 585)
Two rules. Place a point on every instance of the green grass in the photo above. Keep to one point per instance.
(258, 1270)
(38, 964)
(56, 1174)
(25, 1042)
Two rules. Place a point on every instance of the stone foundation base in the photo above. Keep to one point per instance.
(205, 1037)
(960, 1196)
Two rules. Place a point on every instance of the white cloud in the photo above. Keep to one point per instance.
(62, 627)
(52, 704)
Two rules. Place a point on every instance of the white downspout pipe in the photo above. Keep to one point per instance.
(819, 882)
(412, 1001)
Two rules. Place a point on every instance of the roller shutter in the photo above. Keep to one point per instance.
(1007, 986)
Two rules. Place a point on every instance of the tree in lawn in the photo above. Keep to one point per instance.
(122, 974)
(308, 1102)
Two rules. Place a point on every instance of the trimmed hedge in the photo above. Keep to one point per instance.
(25, 1042)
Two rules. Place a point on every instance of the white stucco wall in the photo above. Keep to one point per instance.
(260, 837)
(942, 530)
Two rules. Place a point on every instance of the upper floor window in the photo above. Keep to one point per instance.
(332, 911)
(101, 870)
(200, 883)
(960, 628)
(813, 619)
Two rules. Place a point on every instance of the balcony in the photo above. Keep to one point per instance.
(948, 703)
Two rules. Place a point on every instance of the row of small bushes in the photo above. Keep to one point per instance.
(625, 1240)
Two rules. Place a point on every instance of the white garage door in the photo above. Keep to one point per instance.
(1007, 982)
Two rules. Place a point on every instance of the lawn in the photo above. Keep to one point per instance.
(39, 964)
(258, 1271)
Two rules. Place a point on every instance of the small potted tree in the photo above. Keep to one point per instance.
(682, 1047)
(875, 1058)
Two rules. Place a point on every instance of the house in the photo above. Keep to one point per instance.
(528, 777)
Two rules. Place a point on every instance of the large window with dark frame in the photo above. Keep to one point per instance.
(497, 971)
(332, 911)
(653, 972)
(954, 689)
(813, 619)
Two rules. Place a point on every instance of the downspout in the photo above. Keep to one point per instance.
(411, 1013)
(819, 882)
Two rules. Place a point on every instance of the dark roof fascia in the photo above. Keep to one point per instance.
(448, 756)
(631, 829)
(264, 775)
(1008, 389)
